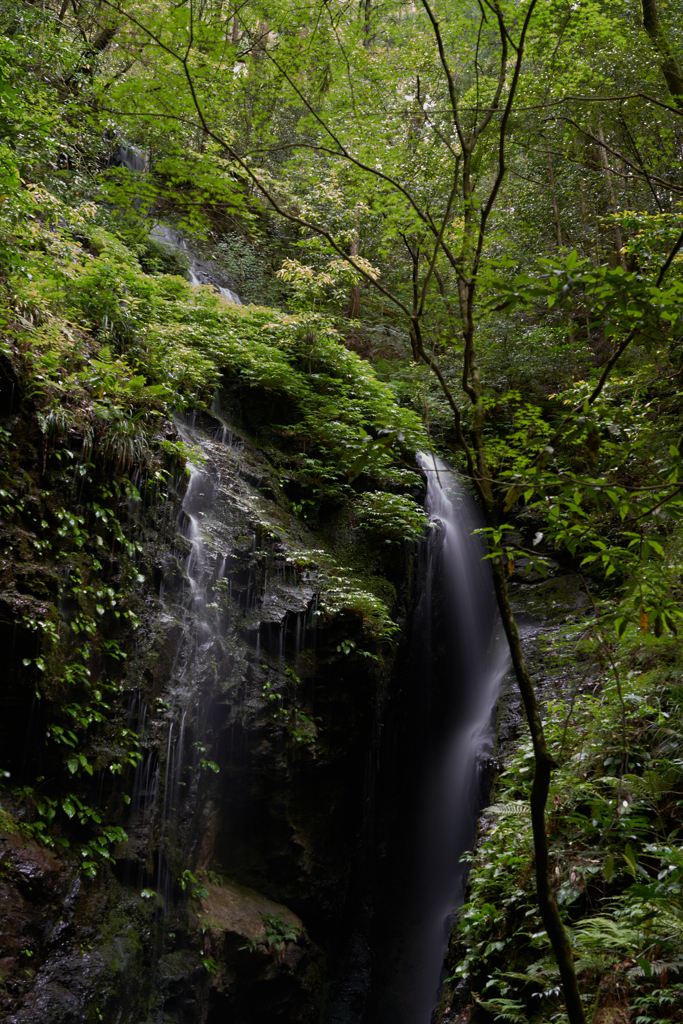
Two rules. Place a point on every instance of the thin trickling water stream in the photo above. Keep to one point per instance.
(199, 271)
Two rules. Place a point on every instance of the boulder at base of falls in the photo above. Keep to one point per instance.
(262, 964)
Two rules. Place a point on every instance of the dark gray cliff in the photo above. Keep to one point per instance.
(242, 688)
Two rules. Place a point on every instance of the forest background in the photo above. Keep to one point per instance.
(484, 202)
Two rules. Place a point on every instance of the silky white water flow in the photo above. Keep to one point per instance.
(456, 614)
(130, 157)
(199, 272)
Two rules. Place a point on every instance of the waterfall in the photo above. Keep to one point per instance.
(199, 271)
(167, 772)
(456, 667)
(130, 157)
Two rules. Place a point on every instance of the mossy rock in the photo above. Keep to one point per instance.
(552, 601)
(231, 907)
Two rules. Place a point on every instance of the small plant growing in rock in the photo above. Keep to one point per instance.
(277, 933)
(209, 963)
(190, 883)
(303, 729)
(349, 647)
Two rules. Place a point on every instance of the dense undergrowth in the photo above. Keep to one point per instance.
(614, 718)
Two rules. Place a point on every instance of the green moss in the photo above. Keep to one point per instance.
(122, 938)
(8, 823)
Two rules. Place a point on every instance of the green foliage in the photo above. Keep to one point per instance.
(247, 271)
(76, 670)
(285, 710)
(190, 884)
(394, 516)
(156, 344)
(277, 932)
(209, 964)
(353, 595)
(614, 790)
(311, 287)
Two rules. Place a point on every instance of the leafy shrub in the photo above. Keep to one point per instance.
(394, 516)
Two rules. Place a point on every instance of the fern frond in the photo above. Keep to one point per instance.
(514, 807)
(657, 968)
(504, 1009)
(606, 933)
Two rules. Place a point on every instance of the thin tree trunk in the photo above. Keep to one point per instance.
(62, 14)
(612, 198)
(556, 210)
(367, 33)
(543, 767)
(671, 69)
(354, 304)
(258, 50)
(543, 762)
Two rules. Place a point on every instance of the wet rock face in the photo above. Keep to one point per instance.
(30, 893)
(550, 601)
(237, 884)
(49, 923)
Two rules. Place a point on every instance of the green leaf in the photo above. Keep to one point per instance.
(358, 465)
(645, 965)
(631, 860)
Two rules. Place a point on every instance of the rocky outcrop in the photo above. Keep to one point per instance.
(255, 709)
(255, 946)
